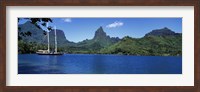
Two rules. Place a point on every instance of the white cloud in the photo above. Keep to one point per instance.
(67, 20)
(115, 24)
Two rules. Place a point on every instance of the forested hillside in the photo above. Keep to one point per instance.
(159, 42)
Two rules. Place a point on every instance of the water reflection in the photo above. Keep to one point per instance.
(98, 64)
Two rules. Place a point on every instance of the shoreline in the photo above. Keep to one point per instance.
(108, 54)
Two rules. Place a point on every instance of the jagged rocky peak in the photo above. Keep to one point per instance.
(161, 32)
(100, 33)
(27, 24)
(38, 36)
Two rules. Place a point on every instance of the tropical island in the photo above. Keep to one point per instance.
(158, 42)
(99, 45)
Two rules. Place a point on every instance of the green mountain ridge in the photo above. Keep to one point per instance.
(99, 41)
(39, 36)
(148, 46)
(159, 42)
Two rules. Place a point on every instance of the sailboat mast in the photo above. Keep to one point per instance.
(55, 40)
(48, 37)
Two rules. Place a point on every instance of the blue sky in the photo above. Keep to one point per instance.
(78, 29)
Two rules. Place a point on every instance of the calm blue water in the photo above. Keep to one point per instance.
(98, 64)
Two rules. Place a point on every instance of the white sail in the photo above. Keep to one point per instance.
(55, 40)
(48, 37)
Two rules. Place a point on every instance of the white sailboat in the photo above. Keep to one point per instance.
(48, 38)
(47, 52)
(56, 52)
(55, 40)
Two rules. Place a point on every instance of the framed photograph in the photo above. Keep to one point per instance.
(120, 46)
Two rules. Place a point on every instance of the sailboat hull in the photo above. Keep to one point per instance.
(47, 52)
(50, 53)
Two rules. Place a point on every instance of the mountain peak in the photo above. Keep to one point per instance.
(100, 30)
(100, 27)
(161, 32)
(103, 39)
(28, 23)
(99, 33)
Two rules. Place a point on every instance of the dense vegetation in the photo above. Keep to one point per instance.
(160, 42)
(151, 46)
(33, 47)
